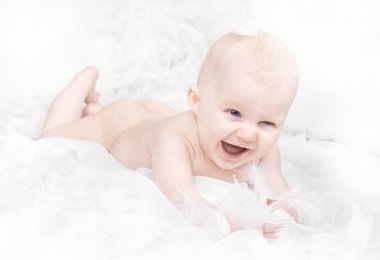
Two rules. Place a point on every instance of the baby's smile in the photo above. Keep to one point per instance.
(233, 150)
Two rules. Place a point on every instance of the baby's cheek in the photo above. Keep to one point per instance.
(269, 140)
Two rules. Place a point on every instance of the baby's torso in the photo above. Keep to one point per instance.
(130, 129)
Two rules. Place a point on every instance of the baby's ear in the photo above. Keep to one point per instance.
(193, 96)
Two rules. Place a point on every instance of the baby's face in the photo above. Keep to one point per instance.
(240, 118)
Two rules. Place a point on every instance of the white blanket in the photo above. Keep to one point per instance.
(66, 199)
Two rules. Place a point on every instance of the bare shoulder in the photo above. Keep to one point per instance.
(176, 133)
(177, 126)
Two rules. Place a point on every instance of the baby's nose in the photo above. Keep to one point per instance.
(247, 132)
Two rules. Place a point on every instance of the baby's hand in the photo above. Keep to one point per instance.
(269, 231)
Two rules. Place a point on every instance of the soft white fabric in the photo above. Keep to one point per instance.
(64, 199)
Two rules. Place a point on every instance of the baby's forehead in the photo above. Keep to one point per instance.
(260, 55)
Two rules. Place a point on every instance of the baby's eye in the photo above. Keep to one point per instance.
(234, 112)
(267, 123)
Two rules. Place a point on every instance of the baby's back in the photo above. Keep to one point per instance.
(129, 127)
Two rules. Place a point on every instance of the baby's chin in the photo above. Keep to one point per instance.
(235, 168)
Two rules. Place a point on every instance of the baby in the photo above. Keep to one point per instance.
(237, 111)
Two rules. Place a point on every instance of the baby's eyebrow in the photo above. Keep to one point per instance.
(273, 118)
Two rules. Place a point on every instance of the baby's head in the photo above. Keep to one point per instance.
(244, 91)
(260, 57)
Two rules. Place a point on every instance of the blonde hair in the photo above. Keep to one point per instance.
(261, 55)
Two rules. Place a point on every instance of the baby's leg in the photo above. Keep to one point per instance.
(65, 114)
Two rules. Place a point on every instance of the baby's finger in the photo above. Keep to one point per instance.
(272, 235)
(270, 231)
(269, 228)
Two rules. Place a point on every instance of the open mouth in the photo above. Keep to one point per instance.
(233, 149)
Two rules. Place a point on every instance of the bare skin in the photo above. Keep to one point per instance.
(218, 137)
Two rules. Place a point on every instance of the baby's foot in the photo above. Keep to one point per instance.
(86, 79)
(92, 97)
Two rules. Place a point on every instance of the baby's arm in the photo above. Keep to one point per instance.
(270, 165)
(173, 174)
(271, 169)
